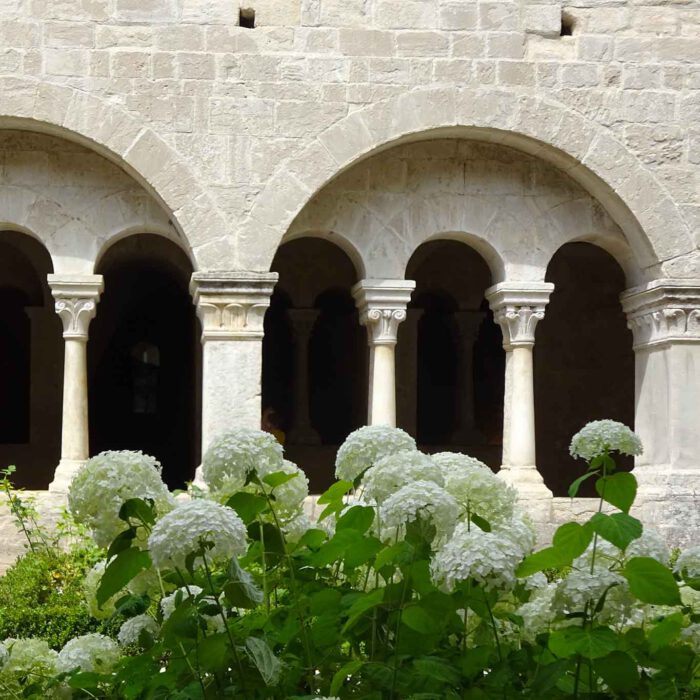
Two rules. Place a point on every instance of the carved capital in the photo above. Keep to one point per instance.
(232, 305)
(382, 307)
(663, 312)
(76, 298)
(517, 308)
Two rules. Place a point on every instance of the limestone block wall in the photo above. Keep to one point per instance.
(227, 122)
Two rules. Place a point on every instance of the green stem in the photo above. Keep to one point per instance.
(397, 631)
(493, 626)
(266, 592)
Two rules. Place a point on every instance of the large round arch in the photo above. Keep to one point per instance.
(101, 126)
(587, 152)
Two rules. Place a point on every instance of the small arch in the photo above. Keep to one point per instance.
(144, 358)
(337, 239)
(584, 363)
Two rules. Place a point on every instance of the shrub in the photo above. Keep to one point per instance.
(416, 583)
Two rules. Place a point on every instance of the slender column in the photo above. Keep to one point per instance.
(76, 298)
(303, 321)
(231, 307)
(517, 308)
(664, 317)
(468, 324)
(382, 306)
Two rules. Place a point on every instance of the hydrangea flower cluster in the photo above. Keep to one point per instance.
(365, 446)
(582, 587)
(392, 472)
(106, 481)
(130, 631)
(539, 612)
(601, 436)
(4, 655)
(182, 531)
(236, 454)
(290, 495)
(451, 462)
(487, 557)
(480, 491)
(169, 602)
(295, 528)
(29, 655)
(90, 584)
(420, 498)
(90, 652)
(688, 563)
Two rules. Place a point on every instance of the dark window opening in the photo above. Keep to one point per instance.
(246, 18)
(567, 25)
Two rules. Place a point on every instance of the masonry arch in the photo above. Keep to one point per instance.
(102, 127)
(314, 351)
(31, 355)
(585, 151)
(144, 356)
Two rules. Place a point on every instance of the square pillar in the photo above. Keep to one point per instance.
(231, 307)
(664, 317)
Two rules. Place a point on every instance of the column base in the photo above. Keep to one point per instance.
(65, 471)
(668, 500)
(534, 496)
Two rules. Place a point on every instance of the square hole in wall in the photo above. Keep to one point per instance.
(567, 24)
(246, 17)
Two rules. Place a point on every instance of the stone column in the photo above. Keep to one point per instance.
(382, 306)
(76, 298)
(231, 307)
(407, 371)
(302, 321)
(517, 308)
(664, 317)
(468, 324)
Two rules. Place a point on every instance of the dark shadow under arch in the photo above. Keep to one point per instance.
(144, 356)
(584, 363)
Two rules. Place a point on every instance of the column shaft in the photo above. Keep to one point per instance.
(383, 399)
(75, 433)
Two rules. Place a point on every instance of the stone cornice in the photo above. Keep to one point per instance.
(517, 307)
(663, 312)
(232, 305)
(76, 298)
(382, 306)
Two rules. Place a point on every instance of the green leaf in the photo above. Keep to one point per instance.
(313, 539)
(618, 670)
(278, 478)
(213, 652)
(361, 551)
(120, 571)
(572, 539)
(343, 674)
(396, 554)
(619, 528)
(268, 665)
(481, 523)
(240, 591)
(359, 518)
(619, 490)
(121, 542)
(138, 509)
(247, 505)
(421, 620)
(364, 603)
(651, 581)
(665, 632)
(589, 643)
(548, 558)
(335, 492)
(576, 485)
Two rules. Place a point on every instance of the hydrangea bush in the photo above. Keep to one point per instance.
(418, 580)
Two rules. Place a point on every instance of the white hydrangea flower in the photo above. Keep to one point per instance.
(168, 603)
(105, 482)
(90, 652)
(581, 587)
(650, 544)
(131, 629)
(295, 528)
(519, 529)
(289, 497)
(606, 555)
(392, 472)
(691, 635)
(600, 436)
(236, 454)
(90, 584)
(424, 498)
(482, 493)
(30, 655)
(539, 612)
(487, 557)
(181, 532)
(535, 582)
(145, 583)
(688, 563)
(4, 655)
(456, 462)
(365, 446)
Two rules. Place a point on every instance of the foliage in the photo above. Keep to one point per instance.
(351, 608)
